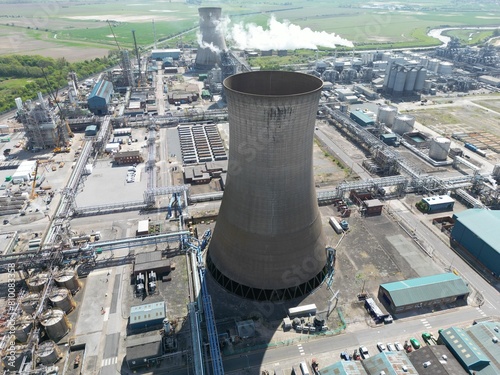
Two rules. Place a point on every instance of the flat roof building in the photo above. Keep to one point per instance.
(416, 293)
(143, 350)
(476, 232)
(437, 203)
(344, 368)
(442, 361)
(147, 316)
(389, 363)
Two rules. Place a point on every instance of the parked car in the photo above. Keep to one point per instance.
(364, 352)
(391, 347)
(415, 343)
(381, 347)
(398, 346)
(345, 356)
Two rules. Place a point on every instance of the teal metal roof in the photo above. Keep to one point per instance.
(148, 312)
(392, 363)
(483, 223)
(421, 289)
(102, 89)
(363, 117)
(483, 334)
(466, 349)
(344, 368)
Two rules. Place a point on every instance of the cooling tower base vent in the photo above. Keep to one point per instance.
(257, 294)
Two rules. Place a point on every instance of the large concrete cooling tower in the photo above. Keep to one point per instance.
(212, 40)
(268, 242)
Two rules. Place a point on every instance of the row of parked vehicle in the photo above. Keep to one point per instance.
(363, 353)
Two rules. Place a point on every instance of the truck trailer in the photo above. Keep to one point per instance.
(338, 227)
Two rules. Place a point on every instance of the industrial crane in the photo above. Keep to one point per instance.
(33, 184)
(139, 80)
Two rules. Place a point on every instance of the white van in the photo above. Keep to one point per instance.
(304, 368)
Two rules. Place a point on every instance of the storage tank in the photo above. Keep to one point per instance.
(387, 114)
(37, 282)
(403, 124)
(419, 82)
(411, 78)
(390, 79)
(22, 328)
(439, 148)
(55, 323)
(433, 65)
(399, 83)
(48, 352)
(15, 365)
(344, 107)
(445, 68)
(427, 85)
(269, 224)
(62, 299)
(29, 302)
(424, 61)
(339, 64)
(68, 279)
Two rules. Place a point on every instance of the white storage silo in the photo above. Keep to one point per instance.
(439, 148)
(419, 82)
(387, 114)
(433, 65)
(411, 78)
(399, 83)
(445, 68)
(37, 282)
(424, 60)
(427, 85)
(403, 124)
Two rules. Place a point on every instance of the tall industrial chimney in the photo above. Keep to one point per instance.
(268, 242)
(212, 40)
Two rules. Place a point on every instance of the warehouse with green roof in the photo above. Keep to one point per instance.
(476, 232)
(477, 348)
(421, 292)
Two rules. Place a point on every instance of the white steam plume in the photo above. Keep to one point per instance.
(281, 36)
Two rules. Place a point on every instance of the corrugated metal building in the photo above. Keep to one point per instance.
(147, 316)
(438, 203)
(389, 363)
(476, 348)
(100, 97)
(442, 361)
(160, 54)
(144, 350)
(476, 231)
(422, 291)
(362, 118)
(344, 368)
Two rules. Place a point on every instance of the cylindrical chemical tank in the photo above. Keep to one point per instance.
(445, 68)
(391, 79)
(23, 327)
(269, 226)
(433, 65)
(387, 114)
(55, 323)
(68, 279)
(439, 148)
(29, 302)
(212, 38)
(48, 353)
(403, 124)
(62, 299)
(427, 85)
(37, 282)
(419, 83)
(344, 107)
(399, 83)
(167, 327)
(339, 64)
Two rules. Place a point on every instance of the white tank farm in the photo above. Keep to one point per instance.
(439, 148)
(68, 279)
(386, 114)
(23, 327)
(445, 68)
(37, 282)
(48, 352)
(29, 302)
(403, 124)
(62, 299)
(55, 323)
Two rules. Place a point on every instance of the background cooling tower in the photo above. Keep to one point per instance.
(268, 242)
(213, 42)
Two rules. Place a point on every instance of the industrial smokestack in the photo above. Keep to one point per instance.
(212, 41)
(268, 242)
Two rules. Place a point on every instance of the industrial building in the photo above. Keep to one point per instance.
(147, 317)
(270, 199)
(476, 348)
(413, 294)
(438, 359)
(128, 157)
(437, 203)
(152, 261)
(362, 118)
(42, 127)
(372, 207)
(476, 231)
(389, 363)
(143, 350)
(162, 54)
(344, 368)
(100, 97)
